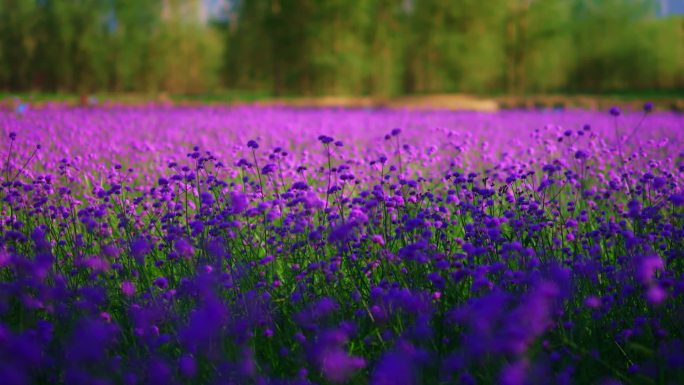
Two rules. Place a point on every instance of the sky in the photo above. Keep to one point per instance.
(672, 7)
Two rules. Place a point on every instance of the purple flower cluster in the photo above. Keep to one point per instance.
(298, 246)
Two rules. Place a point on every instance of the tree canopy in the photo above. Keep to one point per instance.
(340, 47)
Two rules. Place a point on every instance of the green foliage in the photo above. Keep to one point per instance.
(101, 45)
(340, 47)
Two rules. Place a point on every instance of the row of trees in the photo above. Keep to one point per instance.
(357, 47)
(113, 45)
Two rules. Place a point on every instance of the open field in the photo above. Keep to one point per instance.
(277, 245)
(668, 101)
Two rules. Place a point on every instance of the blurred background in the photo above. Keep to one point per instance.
(250, 49)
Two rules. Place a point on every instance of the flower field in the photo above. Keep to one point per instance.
(214, 245)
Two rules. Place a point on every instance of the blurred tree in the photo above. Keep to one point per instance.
(189, 50)
(307, 47)
(386, 49)
(456, 45)
(249, 62)
(17, 25)
(118, 45)
(614, 45)
(133, 29)
(538, 45)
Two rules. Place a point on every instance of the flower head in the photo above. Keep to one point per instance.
(161, 282)
(325, 139)
(128, 288)
(338, 366)
(187, 366)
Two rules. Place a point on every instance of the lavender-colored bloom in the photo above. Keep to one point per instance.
(395, 368)
(648, 107)
(206, 198)
(514, 374)
(239, 202)
(90, 341)
(161, 282)
(184, 248)
(378, 239)
(592, 302)
(128, 288)
(187, 366)
(140, 248)
(677, 199)
(325, 139)
(268, 169)
(205, 325)
(647, 266)
(300, 186)
(158, 372)
(656, 295)
(581, 154)
(338, 366)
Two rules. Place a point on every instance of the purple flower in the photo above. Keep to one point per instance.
(341, 232)
(325, 139)
(205, 325)
(238, 201)
(139, 249)
(677, 199)
(580, 154)
(161, 282)
(648, 107)
(90, 341)
(158, 372)
(514, 374)
(659, 183)
(378, 239)
(592, 302)
(614, 111)
(266, 260)
(300, 186)
(206, 198)
(338, 366)
(395, 368)
(253, 144)
(187, 366)
(184, 248)
(647, 266)
(128, 288)
(656, 295)
(269, 168)
(311, 317)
